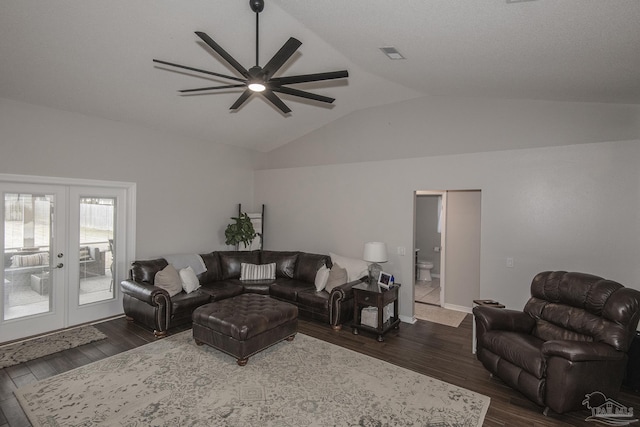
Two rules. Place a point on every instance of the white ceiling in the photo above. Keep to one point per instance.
(94, 57)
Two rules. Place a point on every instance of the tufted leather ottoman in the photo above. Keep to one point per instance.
(245, 324)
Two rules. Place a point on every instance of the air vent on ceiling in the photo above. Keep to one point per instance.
(392, 53)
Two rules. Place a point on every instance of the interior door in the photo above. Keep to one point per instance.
(33, 263)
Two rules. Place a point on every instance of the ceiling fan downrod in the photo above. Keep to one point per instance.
(257, 6)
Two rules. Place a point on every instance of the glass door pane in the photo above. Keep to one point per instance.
(27, 260)
(96, 247)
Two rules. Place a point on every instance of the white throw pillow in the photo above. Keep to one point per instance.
(257, 271)
(356, 268)
(189, 280)
(169, 280)
(321, 278)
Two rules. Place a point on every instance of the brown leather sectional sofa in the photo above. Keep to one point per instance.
(294, 283)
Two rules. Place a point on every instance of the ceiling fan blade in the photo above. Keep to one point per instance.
(245, 95)
(276, 101)
(289, 80)
(211, 88)
(278, 60)
(220, 51)
(198, 70)
(303, 94)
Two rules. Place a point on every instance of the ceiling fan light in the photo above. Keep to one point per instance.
(257, 87)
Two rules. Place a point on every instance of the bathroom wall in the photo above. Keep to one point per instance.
(427, 236)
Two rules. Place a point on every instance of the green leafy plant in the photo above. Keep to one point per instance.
(240, 231)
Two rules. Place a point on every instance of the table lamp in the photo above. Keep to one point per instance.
(375, 252)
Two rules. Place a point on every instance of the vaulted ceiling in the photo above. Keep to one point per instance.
(94, 57)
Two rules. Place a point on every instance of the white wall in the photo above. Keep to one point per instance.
(431, 126)
(574, 208)
(186, 189)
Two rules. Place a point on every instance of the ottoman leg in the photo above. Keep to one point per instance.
(198, 342)
(243, 362)
(290, 338)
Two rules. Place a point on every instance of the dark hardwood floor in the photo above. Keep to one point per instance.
(435, 350)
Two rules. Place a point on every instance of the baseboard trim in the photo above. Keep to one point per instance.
(407, 319)
(458, 308)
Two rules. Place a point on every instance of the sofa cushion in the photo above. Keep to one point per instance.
(337, 276)
(313, 299)
(285, 262)
(30, 260)
(169, 279)
(256, 286)
(322, 276)
(84, 254)
(257, 271)
(308, 265)
(189, 280)
(212, 262)
(184, 302)
(222, 289)
(145, 271)
(230, 263)
(287, 289)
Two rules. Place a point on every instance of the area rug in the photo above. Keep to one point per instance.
(20, 352)
(304, 382)
(433, 313)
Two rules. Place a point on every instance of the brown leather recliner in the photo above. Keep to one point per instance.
(571, 339)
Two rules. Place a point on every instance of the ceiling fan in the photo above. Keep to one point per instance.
(258, 79)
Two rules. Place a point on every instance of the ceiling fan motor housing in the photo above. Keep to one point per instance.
(256, 5)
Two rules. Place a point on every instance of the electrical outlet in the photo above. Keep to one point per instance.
(510, 262)
(402, 251)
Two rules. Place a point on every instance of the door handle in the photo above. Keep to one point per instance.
(60, 265)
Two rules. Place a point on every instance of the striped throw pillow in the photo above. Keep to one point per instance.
(41, 258)
(257, 272)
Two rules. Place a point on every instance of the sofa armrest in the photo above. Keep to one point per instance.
(145, 292)
(344, 292)
(492, 318)
(581, 351)
(341, 303)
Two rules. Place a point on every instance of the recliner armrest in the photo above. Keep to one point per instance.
(581, 351)
(144, 292)
(492, 318)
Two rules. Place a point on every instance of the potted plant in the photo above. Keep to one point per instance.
(240, 231)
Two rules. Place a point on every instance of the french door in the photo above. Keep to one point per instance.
(64, 252)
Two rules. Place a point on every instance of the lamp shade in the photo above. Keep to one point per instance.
(375, 252)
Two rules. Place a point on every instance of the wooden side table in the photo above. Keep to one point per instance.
(366, 295)
(480, 302)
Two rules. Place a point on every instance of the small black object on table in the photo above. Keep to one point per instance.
(366, 295)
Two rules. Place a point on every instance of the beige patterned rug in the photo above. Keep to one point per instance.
(21, 352)
(304, 382)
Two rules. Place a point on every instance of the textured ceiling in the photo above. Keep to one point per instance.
(94, 57)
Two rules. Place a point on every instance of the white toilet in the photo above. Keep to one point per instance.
(424, 270)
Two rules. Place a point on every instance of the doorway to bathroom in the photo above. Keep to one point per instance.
(428, 242)
(447, 227)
